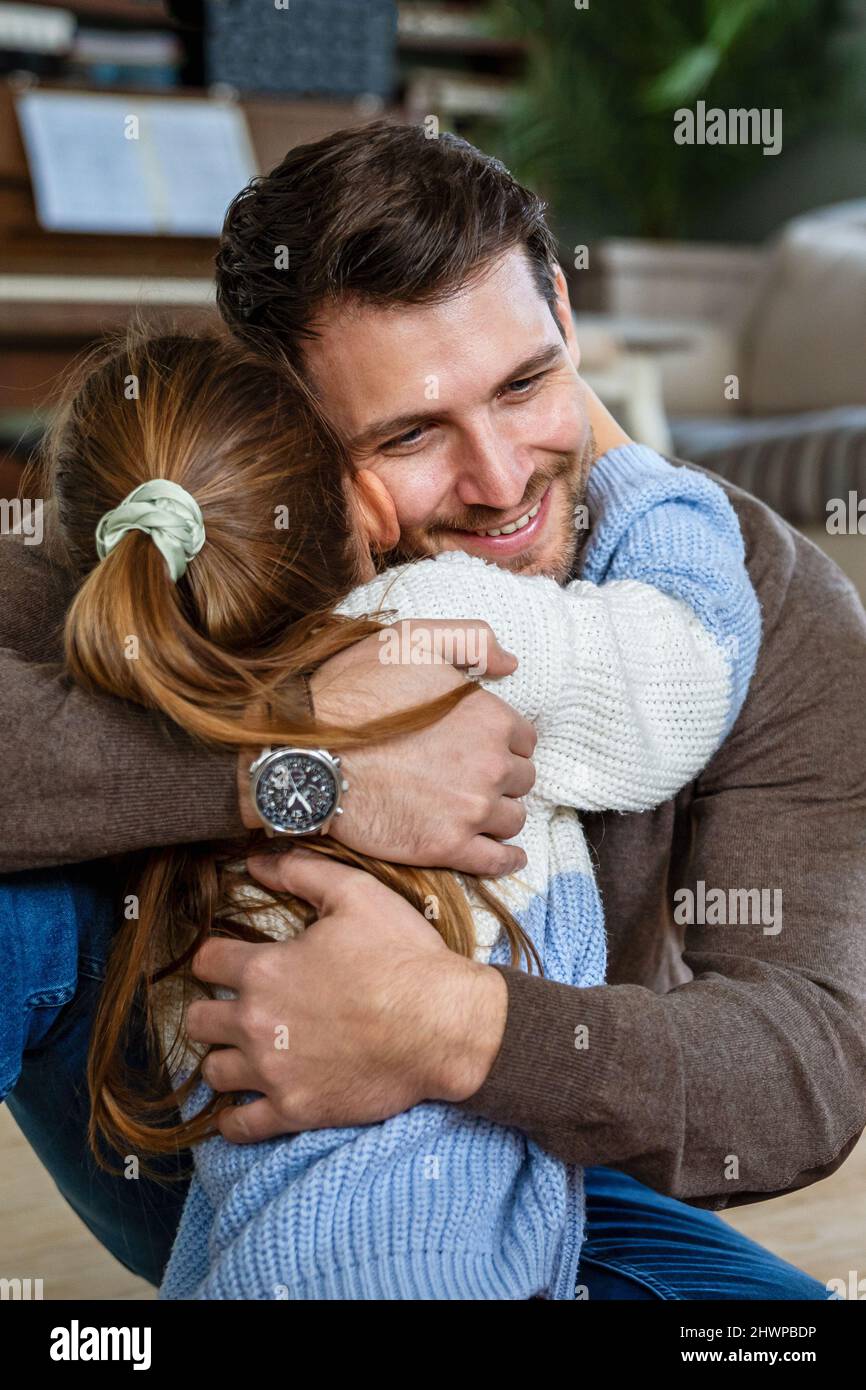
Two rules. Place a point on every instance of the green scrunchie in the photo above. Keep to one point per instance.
(167, 513)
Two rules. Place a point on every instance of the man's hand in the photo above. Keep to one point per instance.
(445, 796)
(379, 1014)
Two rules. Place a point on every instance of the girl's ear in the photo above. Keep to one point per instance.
(378, 514)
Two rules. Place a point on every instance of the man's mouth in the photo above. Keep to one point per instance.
(510, 527)
(509, 537)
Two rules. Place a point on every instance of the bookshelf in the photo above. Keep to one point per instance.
(133, 12)
(454, 63)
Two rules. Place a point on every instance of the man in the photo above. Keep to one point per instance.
(423, 304)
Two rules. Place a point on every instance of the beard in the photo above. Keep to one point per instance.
(569, 472)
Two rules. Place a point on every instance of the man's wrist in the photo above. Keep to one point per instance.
(246, 757)
(477, 1011)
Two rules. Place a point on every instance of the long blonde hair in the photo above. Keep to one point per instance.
(253, 614)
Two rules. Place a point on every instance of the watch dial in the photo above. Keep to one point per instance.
(296, 792)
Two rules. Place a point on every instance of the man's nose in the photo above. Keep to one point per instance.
(493, 471)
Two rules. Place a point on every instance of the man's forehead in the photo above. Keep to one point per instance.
(368, 359)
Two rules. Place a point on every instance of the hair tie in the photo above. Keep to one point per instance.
(167, 513)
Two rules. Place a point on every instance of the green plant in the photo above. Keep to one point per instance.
(593, 124)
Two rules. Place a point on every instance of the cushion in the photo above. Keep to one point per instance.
(794, 463)
(804, 342)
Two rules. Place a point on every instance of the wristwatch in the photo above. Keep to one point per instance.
(297, 791)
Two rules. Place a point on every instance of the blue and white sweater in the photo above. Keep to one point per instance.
(633, 676)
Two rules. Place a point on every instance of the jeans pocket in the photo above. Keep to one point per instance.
(55, 926)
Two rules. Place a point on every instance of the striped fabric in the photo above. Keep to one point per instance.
(794, 463)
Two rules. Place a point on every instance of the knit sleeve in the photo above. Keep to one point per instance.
(667, 637)
(633, 680)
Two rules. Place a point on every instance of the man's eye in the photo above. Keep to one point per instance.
(520, 387)
(402, 440)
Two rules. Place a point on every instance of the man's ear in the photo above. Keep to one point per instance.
(378, 514)
(563, 314)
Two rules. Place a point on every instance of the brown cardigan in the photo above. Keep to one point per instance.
(724, 1064)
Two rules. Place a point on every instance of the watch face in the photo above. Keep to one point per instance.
(296, 792)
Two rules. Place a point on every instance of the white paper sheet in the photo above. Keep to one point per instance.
(171, 170)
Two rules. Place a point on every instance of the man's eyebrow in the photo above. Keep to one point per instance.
(544, 357)
(385, 429)
(402, 424)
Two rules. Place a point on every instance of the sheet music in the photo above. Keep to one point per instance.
(133, 164)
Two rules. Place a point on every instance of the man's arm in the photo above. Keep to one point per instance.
(748, 1080)
(85, 777)
(88, 776)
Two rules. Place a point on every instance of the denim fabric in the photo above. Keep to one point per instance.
(641, 1245)
(56, 928)
(55, 933)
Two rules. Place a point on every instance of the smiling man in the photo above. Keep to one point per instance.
(483, 442)
(424, 305)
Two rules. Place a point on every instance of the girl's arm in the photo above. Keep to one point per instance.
(634, 674)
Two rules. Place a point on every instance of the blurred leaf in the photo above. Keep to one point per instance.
(685, 80)
(592, 125)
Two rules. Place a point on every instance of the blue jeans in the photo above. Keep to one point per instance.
(56, 928)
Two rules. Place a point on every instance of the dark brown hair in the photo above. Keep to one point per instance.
(219, 653)
(379, 212)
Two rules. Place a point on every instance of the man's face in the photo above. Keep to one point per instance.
(471, 414)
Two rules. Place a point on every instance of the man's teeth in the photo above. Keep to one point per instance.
(512, 526)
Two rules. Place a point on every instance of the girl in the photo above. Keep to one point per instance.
(226, 549)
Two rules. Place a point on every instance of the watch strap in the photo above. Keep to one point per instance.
(308, 695)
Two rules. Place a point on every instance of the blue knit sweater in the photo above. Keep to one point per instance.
(633, 675)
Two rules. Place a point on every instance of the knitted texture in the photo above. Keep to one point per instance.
(632, 676)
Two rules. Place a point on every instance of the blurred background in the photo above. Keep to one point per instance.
(719, 287)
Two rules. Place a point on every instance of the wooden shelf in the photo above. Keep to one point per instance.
(152, 13)
(472, 46)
